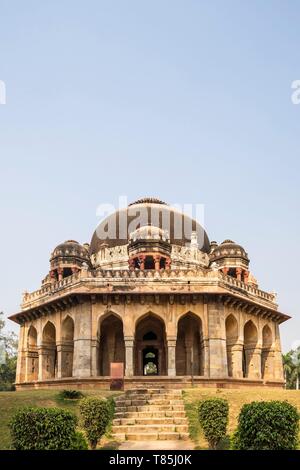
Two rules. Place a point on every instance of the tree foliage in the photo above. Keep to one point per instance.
(291, 368)
(8, 356)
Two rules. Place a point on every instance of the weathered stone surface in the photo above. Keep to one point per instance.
(156, 307)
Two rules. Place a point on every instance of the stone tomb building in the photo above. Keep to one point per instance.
(174, 308)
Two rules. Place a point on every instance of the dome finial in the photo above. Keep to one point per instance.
(148, 200)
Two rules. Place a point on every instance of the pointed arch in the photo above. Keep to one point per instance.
(32, 337)
(267, 353)
(67, 329)
(112, 344)
(189, 345)
(150, 345)
(49, 356)
(152, 314)
(232, 334)
(32, 357)
(250, 342)
(49, 333)
(67, 347)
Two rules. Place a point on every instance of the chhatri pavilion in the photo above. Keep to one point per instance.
(153, 293)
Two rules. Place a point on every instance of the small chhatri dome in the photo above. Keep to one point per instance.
(228, 249)
(70, 248)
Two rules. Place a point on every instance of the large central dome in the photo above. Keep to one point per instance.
(148, 211)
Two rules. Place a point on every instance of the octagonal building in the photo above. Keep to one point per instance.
(152, 293)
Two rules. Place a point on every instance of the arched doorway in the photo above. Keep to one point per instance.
(32, 356)
(150, 361)
(67, 347)
(266, 354)
(231, 326)
(112, 345)
(49, 352)
(189, 346)
(250, 342)
(150, 346)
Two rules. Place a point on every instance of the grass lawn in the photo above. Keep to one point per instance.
(11, 401)
(236, 398)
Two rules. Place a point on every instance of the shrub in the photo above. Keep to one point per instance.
(111, 406)
(70, 395)
(96, 414)
(79, 442)
(213, 417)
(267, 425)
(43, 429)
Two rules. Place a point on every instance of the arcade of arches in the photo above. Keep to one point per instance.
(250, 348)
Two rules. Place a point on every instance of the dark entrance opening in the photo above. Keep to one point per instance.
(150, 361)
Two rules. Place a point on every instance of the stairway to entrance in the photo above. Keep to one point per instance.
(150, 414)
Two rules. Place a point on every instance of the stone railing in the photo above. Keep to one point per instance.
(119, 276)
(249, 288)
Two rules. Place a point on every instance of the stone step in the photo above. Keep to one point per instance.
(150, 407)
(150, 414)
(149, 428)
(148, 391)
(149, 421)
(142, 397)
(150, 401)
(162, 436)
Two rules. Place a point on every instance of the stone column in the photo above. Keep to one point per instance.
(142, 262)
(205, 360)
(237, 360)
(246, 276)
(31, 366)
(278, 366)
(267, 362)
(59, 347)
(41, 353)
(60, 272)
(225, 271)
(21, 359)
(238, 274)
(129, 341)
(157, 262)
(171, 356)
(253, 359)
(95, 344)
(82, 340)
(217, 338)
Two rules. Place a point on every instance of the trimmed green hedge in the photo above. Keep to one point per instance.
(213, 417)
(96, 415)
(44, 429)
(267, 425)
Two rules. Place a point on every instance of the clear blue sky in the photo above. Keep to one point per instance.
(187, 101)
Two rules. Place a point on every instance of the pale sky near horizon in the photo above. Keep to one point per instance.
(187, 101)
